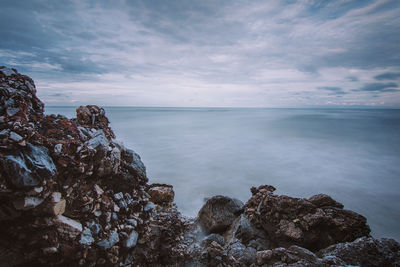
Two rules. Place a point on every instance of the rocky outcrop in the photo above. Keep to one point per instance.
(313, 223)
(71, 195)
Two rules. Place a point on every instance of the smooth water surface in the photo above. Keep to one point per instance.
(351, 154)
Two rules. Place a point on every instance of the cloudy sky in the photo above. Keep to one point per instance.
(206, 53)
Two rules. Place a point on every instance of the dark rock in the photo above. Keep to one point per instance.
(322, 200)
(366, 251)
(218, 213)
(133, 163)
(295, 221)
(29, 167)
(213, 238)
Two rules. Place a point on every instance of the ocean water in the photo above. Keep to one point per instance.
(351, 154)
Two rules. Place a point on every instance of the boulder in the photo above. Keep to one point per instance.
(296, 221)
(161, 193)
(218, 213)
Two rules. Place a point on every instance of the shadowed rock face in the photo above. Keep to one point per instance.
(72, 195)
(218, 213)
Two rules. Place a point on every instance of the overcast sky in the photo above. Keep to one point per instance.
(206, 52)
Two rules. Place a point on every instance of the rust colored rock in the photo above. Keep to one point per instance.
(94, 117)
(161, 193)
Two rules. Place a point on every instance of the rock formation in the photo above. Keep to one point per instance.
(71, 195)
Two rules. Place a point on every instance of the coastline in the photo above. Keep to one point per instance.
(73, 195)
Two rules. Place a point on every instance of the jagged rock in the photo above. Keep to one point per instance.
(133, 163)
(322, 200)
(295, 221)
(66, 226)
(132, 239)
(161, 193)
(218, 213)
(86, 237)
(366, 251)
(243, 230)
(28, 167)
(111, 241)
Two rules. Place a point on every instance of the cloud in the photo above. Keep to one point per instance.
(379, 87)
(388, 76)
(202, 53)
(333, 90)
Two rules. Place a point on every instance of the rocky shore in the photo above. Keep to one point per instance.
(71, 195)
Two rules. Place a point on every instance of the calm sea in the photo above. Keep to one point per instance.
(351, 154)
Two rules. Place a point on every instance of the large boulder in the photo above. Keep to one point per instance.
(218, 213)
(297, 221)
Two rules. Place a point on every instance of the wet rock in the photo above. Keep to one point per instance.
(161, 193)
(218, 213)
(15, 137)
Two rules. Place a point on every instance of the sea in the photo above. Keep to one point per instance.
(352, 155)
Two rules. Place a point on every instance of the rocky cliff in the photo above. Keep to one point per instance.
(71, 195)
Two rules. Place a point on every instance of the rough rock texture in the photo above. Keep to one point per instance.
(366, 251)
(71, 195)
(298, 221)
(161, 193)
(218, 213)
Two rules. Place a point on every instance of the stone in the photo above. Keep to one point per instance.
(111, 241)
(161, 193)
(7, 71)
(98, 190)
(322, 200)
(86, 237)
(67, 227)
(149, 206)
(27, 203)
(133, 163)
(15, 137)
(132, 239)
(218, 213)
(297, 221)
(58, 148)
(57, 208)
(213, 238)
(28, 167)
(365, 251)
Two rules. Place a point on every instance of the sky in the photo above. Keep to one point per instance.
(207, 53)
